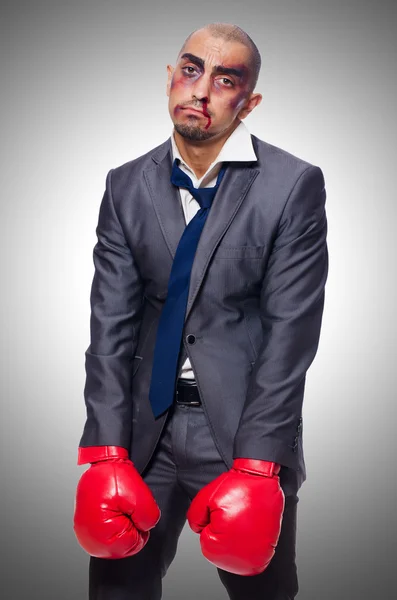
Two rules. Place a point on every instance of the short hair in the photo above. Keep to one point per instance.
(233, 33)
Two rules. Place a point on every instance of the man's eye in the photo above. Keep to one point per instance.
(190, 72)
(229, 81)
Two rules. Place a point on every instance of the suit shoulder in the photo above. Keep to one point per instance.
(284, 172)
(136, 165)
(278, 158)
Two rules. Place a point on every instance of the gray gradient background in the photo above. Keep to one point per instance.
(82, 91)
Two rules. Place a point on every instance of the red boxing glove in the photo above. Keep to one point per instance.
(239, 516)
(114, 508)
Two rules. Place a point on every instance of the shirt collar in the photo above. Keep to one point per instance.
(238, 147)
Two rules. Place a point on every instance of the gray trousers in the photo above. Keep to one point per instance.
(185, 460)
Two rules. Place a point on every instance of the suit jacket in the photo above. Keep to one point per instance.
(254, 309)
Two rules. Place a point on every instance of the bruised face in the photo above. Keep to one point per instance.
(209, 89)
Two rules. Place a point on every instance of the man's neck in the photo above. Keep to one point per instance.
(199, 155)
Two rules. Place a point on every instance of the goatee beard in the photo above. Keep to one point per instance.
(193, 133)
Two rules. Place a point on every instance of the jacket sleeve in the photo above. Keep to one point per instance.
(291, 307)
(116, 300)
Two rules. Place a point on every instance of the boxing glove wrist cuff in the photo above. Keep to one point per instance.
(256, 467)
(98, 453)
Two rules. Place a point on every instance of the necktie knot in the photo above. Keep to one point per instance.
(203, 195)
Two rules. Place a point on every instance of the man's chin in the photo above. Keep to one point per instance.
(193, 133)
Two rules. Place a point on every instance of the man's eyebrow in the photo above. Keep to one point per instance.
(228, 70)
(217, 69)
(194, 59)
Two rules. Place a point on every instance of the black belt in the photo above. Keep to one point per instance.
(187, 393)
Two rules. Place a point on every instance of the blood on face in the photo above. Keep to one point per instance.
(234, 91)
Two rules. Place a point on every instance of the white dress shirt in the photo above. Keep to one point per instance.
(238, 147)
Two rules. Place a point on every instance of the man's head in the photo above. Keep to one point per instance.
(215, 73)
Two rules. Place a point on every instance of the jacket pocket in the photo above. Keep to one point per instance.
(224, 251)
(140, 351)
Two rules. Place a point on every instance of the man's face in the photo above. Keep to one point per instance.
(210, 87)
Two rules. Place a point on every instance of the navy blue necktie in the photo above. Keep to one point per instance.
(170, 328)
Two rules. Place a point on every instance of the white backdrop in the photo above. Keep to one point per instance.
(83, 90)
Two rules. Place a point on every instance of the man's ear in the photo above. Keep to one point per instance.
(254, 100)
(170, 71)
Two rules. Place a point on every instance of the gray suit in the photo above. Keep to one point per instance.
(253, 316)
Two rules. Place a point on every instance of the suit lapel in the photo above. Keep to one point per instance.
(166, 203)
(226, 204)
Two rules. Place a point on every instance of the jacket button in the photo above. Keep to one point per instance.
(191, 339)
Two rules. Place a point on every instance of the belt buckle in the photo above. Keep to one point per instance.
(179, 396)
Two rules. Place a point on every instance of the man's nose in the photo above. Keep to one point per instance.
(201, 88)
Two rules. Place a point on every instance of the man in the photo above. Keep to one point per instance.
(207, 301)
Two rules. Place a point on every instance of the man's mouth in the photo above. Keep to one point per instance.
(193, 109)
(203, 112)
